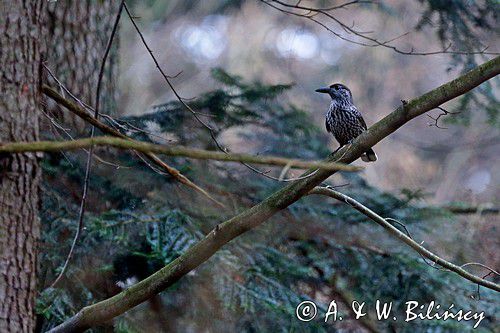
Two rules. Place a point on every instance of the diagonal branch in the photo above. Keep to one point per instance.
(403, 237)
(80, 112)
(177, 151)
(225, 232)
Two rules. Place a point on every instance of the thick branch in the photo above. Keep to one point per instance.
(80, 112)
(404, 238)
(178, 151)
(226, 231)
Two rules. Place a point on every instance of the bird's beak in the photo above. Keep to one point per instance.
(323, 90)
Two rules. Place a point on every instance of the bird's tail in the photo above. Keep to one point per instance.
(369, 156)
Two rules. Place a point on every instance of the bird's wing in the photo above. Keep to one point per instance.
(328, 128)
(359, 117)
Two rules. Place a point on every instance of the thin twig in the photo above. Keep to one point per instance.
(53, 94)
(58, 126)
(436, 119)
(344, 5)
(113, 122)
(88, 167)
(491, 270)
(127, 126)
(402, 225)
(195, 114)
(363, 35)
(63, 87)
(406, 239)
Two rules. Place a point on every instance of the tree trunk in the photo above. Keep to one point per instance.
(20, 58)
(78, 31)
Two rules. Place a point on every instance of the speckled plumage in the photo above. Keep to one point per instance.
(343, 119)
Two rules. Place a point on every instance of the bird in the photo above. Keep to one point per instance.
(343, 119)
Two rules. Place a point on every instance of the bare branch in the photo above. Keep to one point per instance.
(344, 5)
(80, 112)
(64, 89)
(114, 123)
(194, 113)
(405, 238)
(177, 151)
(56, 126)
(364, 38)
(436, 119)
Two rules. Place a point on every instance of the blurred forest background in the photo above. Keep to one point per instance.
(253, 70)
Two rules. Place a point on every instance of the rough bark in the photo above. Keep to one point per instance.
(228, 230)
(20, 55)
(77, 35)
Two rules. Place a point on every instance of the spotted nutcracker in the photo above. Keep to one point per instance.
(343, 119)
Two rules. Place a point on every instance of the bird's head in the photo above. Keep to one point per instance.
(337, 91)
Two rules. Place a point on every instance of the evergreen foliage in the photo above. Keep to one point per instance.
(460, 24)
